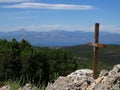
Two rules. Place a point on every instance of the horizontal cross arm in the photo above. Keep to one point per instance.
(100, 45)
(96, 45)
(90, 44)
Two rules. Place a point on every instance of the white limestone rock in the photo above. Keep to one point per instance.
(7, 87)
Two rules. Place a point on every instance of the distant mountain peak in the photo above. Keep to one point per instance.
(22, 30)
(59, 37)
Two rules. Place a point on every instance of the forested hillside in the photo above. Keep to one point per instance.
(36, 65)
(109, 55)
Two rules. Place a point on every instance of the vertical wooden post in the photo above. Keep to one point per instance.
(95, 53)
(96, 45)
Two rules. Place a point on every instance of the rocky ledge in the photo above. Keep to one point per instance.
(83, 80)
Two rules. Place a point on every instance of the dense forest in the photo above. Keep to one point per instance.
(37, 65)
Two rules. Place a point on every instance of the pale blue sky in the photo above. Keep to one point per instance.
(45, 15)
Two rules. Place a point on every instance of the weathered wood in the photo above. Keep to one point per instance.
(95, 51)
(100, 45)
(96, 45)
(90, 44)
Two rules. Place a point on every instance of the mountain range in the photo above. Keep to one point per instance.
(60, 37)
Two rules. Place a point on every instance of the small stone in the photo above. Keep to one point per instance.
(103, 73)
(7, 87)
(26, 87)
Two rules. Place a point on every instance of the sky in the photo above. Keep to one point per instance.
(70, 15)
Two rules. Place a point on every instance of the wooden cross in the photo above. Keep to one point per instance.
(96, 45)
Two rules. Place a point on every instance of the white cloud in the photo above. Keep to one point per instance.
(50, 27)
(15, 0)
(105, 28)
(110, 28)
(50, 6)
(57, 27)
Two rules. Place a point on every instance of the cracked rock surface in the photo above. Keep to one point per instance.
(83, 80)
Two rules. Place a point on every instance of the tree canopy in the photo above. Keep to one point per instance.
(20, 59)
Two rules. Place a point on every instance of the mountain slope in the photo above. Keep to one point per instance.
(59, 37)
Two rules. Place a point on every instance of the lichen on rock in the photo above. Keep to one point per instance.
(77, 80)
(83, 80)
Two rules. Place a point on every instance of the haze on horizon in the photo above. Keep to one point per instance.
(70, 15)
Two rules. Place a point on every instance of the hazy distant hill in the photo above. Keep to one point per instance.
(60, 37)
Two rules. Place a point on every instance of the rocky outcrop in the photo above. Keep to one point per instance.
(83, 80)
(78, 80)
(108, 80)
